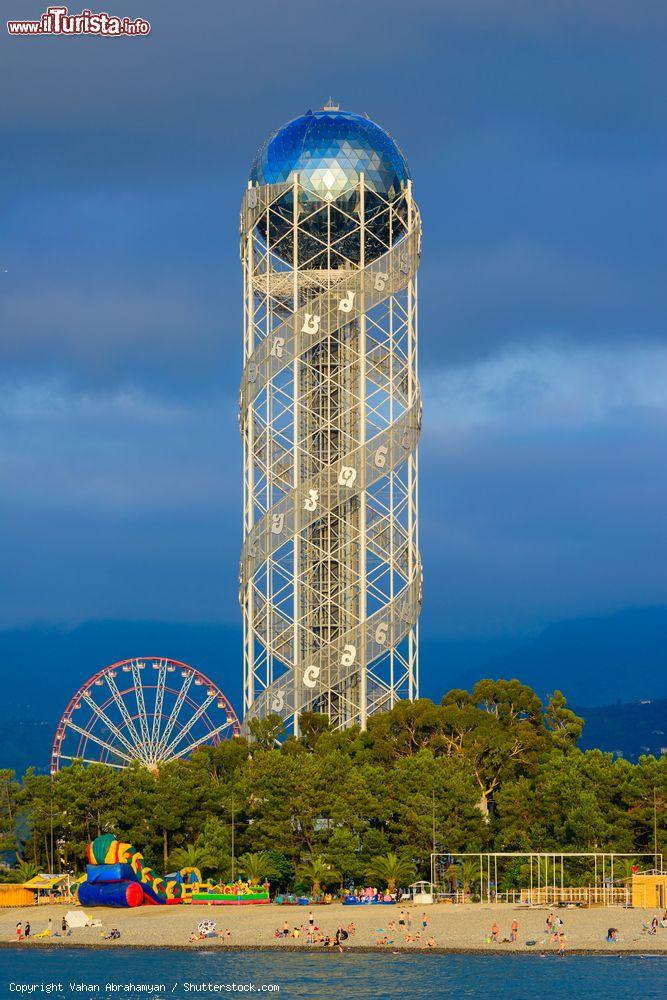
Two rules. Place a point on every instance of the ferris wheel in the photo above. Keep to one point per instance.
(149, 710)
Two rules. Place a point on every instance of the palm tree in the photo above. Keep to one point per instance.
(192, 856)
(623, 869)
(24, 872)
(465, 874)
(391, 869)
(257, 867)
(318, 873)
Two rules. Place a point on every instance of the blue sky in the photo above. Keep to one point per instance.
(536, 134)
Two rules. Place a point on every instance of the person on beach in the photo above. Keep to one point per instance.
(430, 943)
(424, 922)
(401, 919)
(311, 918)
(26, 932)
(19, 931)
(286, 929)
(63, 925)
(612, 935)
(341, 935)
(49, 928)
(351, 929)
(514, 933)
(561, 943)
(654, 926)
(494, 932)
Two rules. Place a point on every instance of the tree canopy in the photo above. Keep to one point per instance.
(489, 769)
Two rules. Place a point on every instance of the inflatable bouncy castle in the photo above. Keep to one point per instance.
(235, 894)
(117, 875)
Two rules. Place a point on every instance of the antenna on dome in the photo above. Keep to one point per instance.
(331, 105)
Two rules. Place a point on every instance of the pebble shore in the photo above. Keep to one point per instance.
(452, 928)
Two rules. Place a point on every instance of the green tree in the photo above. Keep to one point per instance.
(428, 795)
(390, 870)
(411, 726)
(25, 871)
(465, 874)
(499, 729)
(312, 726)
(192, 856)
(10, 804)
(257, 867)
(215, 839)
(176, 805)
(317, 873)
(342, 852)
(564, 726)
(266, 732)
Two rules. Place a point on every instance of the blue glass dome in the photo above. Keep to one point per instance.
(328, 150)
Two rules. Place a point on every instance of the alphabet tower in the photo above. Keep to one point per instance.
(330, 413)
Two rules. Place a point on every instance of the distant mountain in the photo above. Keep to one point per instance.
(25, 744)
(594, 661)
(627, 730)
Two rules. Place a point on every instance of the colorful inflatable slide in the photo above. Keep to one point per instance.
(117, 875)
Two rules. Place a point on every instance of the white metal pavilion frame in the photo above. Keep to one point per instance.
(330, 414)
(547, 870)
(149, 709)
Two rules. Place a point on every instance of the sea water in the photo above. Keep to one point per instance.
(139, 973)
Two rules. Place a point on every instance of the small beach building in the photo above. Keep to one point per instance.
(421, 892)
(649, 891)
(47, 888)
(16, 895)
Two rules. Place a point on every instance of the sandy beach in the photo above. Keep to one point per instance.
(453, 928)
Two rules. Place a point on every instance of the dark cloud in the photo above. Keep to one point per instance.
(536, 134)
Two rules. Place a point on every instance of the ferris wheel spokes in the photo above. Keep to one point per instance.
(149, 719)
(200, 742)
(110, 678)
(188, 726)
(159, 702)
(102, 743)
(102, 715)
(171, 722)
(137, 667)
(87, 760)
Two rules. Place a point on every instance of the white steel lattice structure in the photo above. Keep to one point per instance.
(330, 413)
